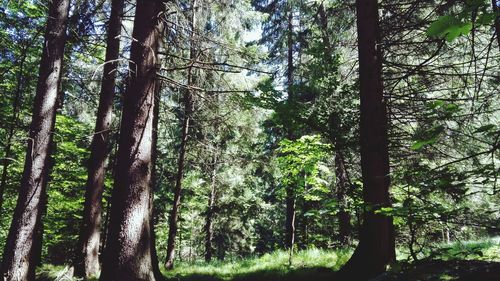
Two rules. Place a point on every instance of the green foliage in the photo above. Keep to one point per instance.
(300, 163)
(450, 27)
(66, 189)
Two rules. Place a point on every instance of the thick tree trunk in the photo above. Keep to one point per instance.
(128, 254)
(376, 245)
(87, 263)
(20, 255)
(188, 108)
(210, 212)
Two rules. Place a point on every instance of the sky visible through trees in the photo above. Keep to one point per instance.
(249, 140)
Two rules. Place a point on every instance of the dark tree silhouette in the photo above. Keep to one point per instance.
(87, 262)
(376, 246)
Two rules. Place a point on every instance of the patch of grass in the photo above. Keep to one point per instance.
(485, 250)
(48, 272)
(273, 266)
(447, 262)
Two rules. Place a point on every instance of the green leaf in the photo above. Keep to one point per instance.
(449, 28)
(440, 27)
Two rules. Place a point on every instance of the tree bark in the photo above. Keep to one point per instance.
(154, 179)
(343, 215)
(188, 108)
(20, 256)
(290, 192)
(87, 262)
(128, 253)
(376, 246)
(210, 212)
(496, 9)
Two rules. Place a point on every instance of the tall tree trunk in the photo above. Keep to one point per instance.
(128, 254)
(343, 215)
(210, 212)
(20, 255)
(496, 8)
(376, 246)
(188, 108)
(87, 262)
(290, 192)
(154, 179)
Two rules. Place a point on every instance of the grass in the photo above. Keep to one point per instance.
(485, 250)
(272, 266)
(447, 261)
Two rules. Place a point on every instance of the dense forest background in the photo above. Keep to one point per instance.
(292, 130)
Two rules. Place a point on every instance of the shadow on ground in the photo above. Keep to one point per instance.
(429, 270)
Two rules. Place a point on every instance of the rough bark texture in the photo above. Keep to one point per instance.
(87, 263)
(188, 108)
(376, 246)
(128, 253)
(21, 253)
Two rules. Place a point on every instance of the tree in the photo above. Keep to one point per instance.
(188, 108)
(376, 246)
(87, 263)
(128, 253)
(23, 246)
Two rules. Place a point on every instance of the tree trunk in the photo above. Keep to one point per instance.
(20, 255)
(188, 108)
(290, 192)
(154, 179)
(210, 212)
(496, 9)
(343, 215)
(376, 246)
(128, 254)
(87, 262)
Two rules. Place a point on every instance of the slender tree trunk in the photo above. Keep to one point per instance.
(376, 246)
(154, 180)
(20, 256)
(87, 263)
(128, 254)
(343, 215)
(210, 212)
(188, 108)
(496, 9)
(290, 192)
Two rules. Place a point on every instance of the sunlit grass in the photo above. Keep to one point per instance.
(310, 264)
(275, 263)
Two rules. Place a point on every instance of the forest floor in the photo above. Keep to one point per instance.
(464, 261)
